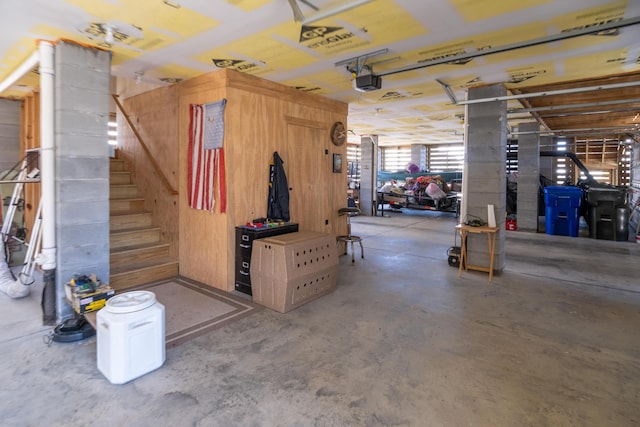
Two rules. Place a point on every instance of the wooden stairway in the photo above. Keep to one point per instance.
(137, 255)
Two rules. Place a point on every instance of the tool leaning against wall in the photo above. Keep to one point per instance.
(13, 235)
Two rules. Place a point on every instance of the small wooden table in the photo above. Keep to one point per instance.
(491, 233)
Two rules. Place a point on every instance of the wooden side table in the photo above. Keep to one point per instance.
(491, 233)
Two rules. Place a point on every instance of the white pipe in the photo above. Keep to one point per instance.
(551, 92)
(47, 155)
(23, 69)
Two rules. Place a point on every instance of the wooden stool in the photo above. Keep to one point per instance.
(349, 212)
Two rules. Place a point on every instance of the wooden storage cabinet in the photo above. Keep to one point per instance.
(244, 243)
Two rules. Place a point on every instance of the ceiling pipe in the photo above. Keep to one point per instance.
(583, 105)
(321, 15)
(587, 113)
(29, 64)
(550, 92)
(514, 46)
(620, 129)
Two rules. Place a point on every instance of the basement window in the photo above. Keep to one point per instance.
(353, 163)
(395, 158)
(446, 157)
(561, 162)
(113, 130)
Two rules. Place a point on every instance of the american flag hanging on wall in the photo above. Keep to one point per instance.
(206, 156)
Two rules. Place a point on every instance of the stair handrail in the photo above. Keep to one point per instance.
(155, 165)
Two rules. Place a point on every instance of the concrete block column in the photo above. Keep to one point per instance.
(368, 173)
(547, 163)
(82, 77)
(484, 178)
(528, 176)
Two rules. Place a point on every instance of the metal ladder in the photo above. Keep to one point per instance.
(33, 245)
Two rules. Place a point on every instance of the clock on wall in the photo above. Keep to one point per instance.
(338, 133)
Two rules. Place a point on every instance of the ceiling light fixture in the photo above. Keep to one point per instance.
(111, 32)
(108, 38)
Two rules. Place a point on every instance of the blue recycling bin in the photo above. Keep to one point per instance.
(562, 210)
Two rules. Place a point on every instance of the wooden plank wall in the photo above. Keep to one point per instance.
(154, 114)
(257, 118)
(30, 138)
(203, 235)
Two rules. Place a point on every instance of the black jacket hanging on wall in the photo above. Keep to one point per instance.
(278, 203)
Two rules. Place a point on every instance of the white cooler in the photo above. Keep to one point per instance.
(130, 336)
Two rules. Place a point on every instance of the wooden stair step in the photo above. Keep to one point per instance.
(137, 256)
(119, 177)
(123, 191)
(132, 204)
(143, 272)
(129, 219)
(120, 257)
(116, 165)
(134, 236)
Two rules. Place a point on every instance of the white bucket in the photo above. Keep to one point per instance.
(130, 336)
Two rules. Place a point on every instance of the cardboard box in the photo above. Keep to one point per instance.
(88, 301)
(290, 270)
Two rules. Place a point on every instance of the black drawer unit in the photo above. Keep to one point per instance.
(244, 242)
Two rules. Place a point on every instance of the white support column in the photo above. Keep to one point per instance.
(47, 153)
(368, 173)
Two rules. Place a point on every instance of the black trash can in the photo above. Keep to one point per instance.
(608, 212)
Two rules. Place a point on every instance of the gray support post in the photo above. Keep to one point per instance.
(368, 173)
(528, 176)
(81, 165)
(484, 178)
(546, 163)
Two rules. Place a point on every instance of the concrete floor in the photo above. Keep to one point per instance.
(403, 341)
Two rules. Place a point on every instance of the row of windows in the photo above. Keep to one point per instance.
(450, 157)
(438, 158)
